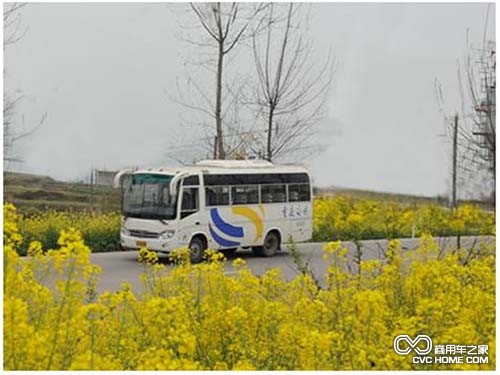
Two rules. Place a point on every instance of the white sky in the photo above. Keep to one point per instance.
(100, 72)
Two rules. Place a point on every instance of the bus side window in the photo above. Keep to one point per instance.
(190, 199)
(273, 193)
(299, 193)
(210, 197)
(245, 194)
(217, 195)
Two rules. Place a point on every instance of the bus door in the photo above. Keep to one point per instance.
(189, 208)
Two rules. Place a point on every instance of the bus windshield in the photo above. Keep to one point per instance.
(148, 196)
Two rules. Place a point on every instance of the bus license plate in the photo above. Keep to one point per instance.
(141, 243)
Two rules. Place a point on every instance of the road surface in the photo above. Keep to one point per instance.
(119, 267)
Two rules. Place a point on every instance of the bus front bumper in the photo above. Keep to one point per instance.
(154, 244)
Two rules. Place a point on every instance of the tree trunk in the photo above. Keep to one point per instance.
(269, 151)
(221, 154)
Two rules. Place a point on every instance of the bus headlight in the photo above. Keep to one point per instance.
(167, 234)
(125, 231)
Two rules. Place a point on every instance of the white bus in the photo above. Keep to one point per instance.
(217, 204)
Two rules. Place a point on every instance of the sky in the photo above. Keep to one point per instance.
(105, 74)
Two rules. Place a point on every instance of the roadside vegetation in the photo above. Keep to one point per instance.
(335, 218)
(347, 218)
(197, 317)
(100, 231)
(46, 206)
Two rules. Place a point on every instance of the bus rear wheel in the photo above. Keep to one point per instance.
(196, 250)
(270, 247)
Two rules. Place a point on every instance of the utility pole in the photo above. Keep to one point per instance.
(454, 171)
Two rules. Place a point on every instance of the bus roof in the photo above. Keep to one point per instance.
(227, 167)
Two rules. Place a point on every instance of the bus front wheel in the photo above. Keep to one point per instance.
(196, 250)
(270, 247)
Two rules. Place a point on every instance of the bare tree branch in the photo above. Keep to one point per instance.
(223, 26)
(11, 134)
(290, 95)
(476, 132)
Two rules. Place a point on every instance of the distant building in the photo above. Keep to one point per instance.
(104, 178)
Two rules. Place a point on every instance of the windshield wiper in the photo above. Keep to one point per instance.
(134, 214)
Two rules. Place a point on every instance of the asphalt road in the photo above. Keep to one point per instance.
(119, 267)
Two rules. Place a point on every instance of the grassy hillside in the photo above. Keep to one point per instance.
(396, 197)
(379, 196)
(31, 192)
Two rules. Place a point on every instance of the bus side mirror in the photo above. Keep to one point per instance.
(120, 176)
(173, 183)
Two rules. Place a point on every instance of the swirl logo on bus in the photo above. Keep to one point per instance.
(233, 231)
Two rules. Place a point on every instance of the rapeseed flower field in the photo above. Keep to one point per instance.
(197, 317)
(345, 218)
(101, 231)
(335, 218)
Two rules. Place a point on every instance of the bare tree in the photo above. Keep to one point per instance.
(292, 86)
(236, 124)
(13, 32)
(474, 130)
(480, 79)
(224, 26)
(12, 136)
